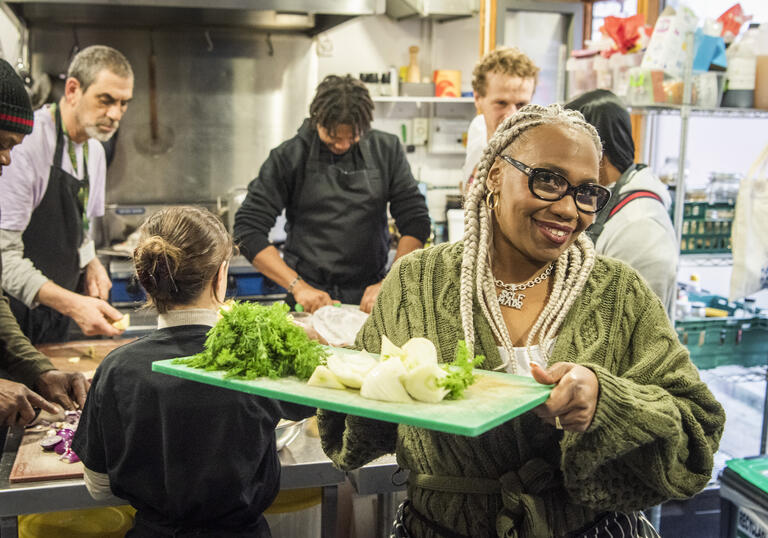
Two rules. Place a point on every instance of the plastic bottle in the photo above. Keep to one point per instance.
(414, 74)
(385, 86)
(372, 83)
(682, 305)
(742, 66)
(394, 81)
(761, 71)
(695, 284)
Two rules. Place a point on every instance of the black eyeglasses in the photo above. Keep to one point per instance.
(550, 186)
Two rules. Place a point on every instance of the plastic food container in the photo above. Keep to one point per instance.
(107, 522)
(620, 65)
(582, 76)
(723, 188)
(708, 89)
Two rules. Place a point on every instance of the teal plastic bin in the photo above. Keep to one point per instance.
(744, 498)
(714, 342)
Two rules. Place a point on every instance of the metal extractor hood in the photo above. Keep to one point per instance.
(306, 16)
(433, 9)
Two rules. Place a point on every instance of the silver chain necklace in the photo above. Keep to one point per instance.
(510, 296)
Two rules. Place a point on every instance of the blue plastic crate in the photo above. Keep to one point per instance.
(252, 285)
(126, 291)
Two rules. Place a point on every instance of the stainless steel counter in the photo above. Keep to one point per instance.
(383, 478)
(303, 465)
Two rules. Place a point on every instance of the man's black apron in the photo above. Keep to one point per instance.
(337, 238)
(51, 241)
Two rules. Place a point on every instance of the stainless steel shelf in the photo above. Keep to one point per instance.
(719, 112)
(423, 99)
(713, 260)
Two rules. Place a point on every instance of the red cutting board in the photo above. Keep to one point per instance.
(32, 464)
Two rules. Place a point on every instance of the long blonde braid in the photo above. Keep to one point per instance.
(572, 267)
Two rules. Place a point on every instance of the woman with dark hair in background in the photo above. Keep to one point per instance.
(193, 459)
(635, 226)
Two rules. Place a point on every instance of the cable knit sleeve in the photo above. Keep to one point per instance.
(656, 426)
(350, 441)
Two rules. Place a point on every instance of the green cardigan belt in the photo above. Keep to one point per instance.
(653, 436)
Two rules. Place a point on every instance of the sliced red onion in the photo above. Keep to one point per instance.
(62, 447)
(69, 457)
(50, 442)
(66, 433)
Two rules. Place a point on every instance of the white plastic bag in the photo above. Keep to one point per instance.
(339, 325)
(749, 235)
(666, 48)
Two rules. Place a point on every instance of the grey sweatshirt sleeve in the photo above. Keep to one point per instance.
(649, 248)
(21, 278)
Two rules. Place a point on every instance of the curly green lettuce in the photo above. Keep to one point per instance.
(460, 372)
(251, 340)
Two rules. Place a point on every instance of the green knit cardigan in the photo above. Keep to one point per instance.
(653, 436)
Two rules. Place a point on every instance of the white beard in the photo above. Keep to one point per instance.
(93, 131)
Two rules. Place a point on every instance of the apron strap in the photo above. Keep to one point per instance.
(59, 152)
(596, 229)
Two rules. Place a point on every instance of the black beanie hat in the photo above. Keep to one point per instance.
(15, 109)
(609, 115)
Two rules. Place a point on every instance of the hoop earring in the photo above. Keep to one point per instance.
(492, 200)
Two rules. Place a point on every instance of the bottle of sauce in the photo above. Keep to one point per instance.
(761, 71)
(740, 75)
(414, 74)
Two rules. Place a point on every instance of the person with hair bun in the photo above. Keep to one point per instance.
(628, 424)
(193, 459)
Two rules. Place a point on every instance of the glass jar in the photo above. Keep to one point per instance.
(723, 187)
(668, 172)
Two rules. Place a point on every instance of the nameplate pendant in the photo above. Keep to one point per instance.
(511, 299)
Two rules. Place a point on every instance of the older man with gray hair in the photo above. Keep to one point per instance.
(50, 193)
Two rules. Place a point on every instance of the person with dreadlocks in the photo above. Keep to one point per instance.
(335, 179)
(628, 424)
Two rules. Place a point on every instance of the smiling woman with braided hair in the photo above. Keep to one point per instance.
(629, 424)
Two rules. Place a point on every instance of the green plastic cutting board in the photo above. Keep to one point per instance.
(493, 399)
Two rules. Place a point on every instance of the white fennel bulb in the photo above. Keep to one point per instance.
(384, 382)
(421, 383)
(351, 368)
(419, 351)
(390, 350)
(323, 377)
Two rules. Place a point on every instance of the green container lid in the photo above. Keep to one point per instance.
(753, 470)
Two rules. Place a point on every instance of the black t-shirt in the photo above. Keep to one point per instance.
(183, 453)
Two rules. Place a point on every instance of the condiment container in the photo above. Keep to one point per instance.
(761, 68)
(414, 73)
